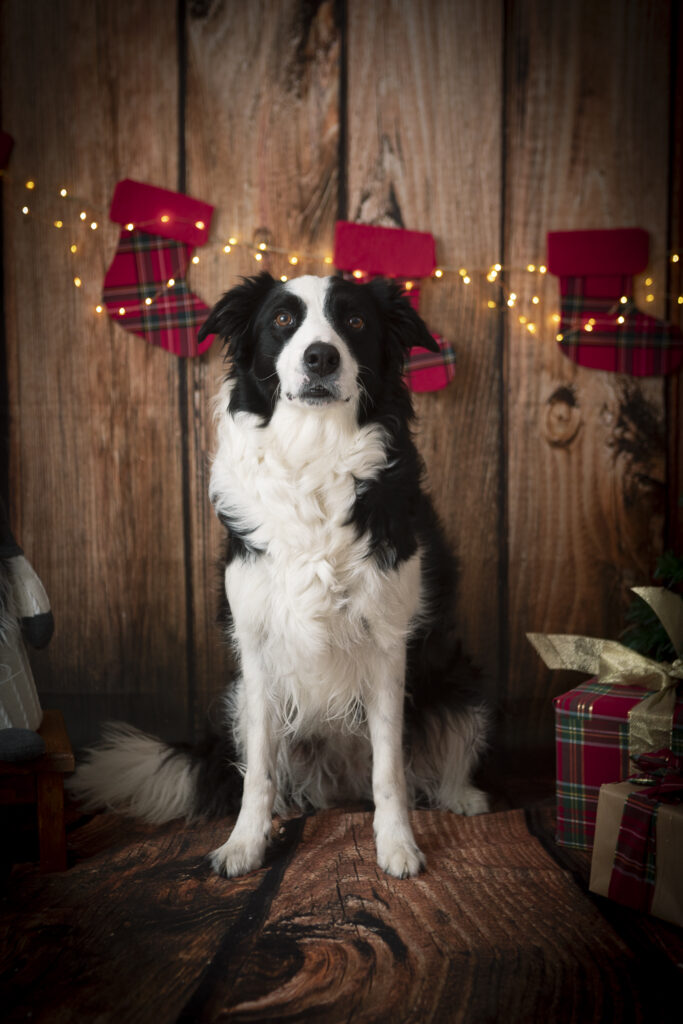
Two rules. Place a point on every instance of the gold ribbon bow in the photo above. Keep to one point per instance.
(650, 721)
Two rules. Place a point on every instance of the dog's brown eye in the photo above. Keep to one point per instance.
(283, 319)
(356, 322)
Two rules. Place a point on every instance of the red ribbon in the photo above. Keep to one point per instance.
(664, 771)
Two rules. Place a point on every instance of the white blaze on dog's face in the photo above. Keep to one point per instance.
(313, 343)
(315, 366)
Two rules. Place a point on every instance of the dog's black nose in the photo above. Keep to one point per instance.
(322, 358)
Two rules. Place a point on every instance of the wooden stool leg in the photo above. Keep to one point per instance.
(51, 830)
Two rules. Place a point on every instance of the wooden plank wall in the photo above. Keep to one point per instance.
(487, 124)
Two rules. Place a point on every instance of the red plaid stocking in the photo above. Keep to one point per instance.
(145, 289)
(365, 252)
(601, 328)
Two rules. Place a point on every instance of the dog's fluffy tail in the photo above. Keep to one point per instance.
(140, 775)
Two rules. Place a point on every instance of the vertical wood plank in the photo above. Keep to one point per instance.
(587, 126)
(424, 121)
(674, 532)
(262, 138)
(90, 96)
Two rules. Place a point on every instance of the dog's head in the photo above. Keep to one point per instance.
(316, 341)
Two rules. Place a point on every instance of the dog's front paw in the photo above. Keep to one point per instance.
(400, 857)
(237, 857)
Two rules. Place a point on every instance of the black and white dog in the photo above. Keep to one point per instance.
(340, 588)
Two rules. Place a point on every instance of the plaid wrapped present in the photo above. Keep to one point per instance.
(638, 847)
(635, 705)
(592, 748)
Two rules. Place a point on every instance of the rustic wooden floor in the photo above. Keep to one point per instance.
(499, 928)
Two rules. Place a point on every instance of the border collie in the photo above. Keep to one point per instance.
(339, 585)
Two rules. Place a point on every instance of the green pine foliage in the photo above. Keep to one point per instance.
(645, 632)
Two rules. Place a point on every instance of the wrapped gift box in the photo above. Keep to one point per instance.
(592, 748)
(649, 879)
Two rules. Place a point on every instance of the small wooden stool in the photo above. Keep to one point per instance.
(41, 782)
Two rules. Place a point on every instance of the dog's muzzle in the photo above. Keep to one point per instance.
(322, 363)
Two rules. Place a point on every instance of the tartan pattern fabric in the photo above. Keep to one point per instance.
(632, 882)
(641, 346)
(634, 870)
(591, 743)
(143, 266)
(429, 371)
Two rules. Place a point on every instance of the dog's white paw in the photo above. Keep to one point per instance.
(474, 801)
(401, 858)
(238, 857)
(466, 800)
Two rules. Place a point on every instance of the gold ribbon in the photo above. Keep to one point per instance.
(650, 721)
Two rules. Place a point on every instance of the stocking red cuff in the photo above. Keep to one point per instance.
(597, 253)
(387, 252)
(158, 211)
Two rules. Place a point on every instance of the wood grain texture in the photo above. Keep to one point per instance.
(424, 127)
(261, 140)
(89, 94)
(495, 929)
(674, 394)
(474, 123)
(586, 467)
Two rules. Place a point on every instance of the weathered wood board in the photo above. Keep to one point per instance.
(89, 95)
(431, 74)
(495, 929)
(586, 147)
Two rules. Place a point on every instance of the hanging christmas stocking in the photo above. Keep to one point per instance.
(144, 288)
(601, 327)
(364, 252)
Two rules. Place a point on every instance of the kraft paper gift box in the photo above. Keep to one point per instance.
(632, 706)
(638, 851)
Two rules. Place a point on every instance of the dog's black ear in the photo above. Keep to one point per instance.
(404, 326)
(231, 318)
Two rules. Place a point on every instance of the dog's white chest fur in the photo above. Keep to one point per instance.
(309, 598)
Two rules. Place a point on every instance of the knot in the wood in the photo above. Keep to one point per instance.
(562, 419)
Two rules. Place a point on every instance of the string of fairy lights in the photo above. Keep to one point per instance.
(527, 308)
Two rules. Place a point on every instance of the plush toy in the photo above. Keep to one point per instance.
(24, 615)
